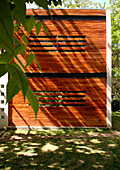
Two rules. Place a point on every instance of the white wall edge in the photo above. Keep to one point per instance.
(108, 65)
(3, 105)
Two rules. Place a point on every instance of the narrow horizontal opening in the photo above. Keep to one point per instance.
(47, 100)
(76, 105)
(44, 36)
(57, 46)
(61, 105)
(71, 36)
(57, 50)
(62, 98)
(39, 41)
(61, 101)
(58, 92)
(71, 101)
(69, 17)
(46, 96)
(64, 41)
(71, 41)
(58, 36)
(69, 96)
(67, 75)
(36, 91)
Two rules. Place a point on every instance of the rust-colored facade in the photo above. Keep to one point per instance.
(72, 87)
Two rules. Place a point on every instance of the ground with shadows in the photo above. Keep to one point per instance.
(61, 148)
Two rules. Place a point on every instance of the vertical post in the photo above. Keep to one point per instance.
(3, 105)
(108, 60)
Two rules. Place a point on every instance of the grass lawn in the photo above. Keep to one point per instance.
(62, 149)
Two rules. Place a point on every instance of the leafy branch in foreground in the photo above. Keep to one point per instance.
(12, 17)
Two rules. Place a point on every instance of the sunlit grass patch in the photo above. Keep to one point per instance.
(95, 141)
(21, 131)
(61, 149)
(49, 148)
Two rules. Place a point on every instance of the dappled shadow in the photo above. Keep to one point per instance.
(92, 60)
(116, 121)
(57, 149)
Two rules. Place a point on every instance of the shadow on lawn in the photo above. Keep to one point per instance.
(61, 149)
(116, 121)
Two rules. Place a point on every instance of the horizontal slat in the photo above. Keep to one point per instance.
(67, 12)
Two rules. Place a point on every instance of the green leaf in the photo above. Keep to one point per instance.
(19, 49)
(46, 30)
(24, 39)
(5, 58)
(30, 24)
(33, 101)
(24, 53)
(3, 69)
(30, 59)
(43, 4)
(12, 89)
(19, 12)
(38, 27)
(6, 27)
(18, 75)
(16, 41)
(37, 62)
(20, 62)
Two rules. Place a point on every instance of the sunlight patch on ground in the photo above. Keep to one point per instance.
(35, 144)
(8, 168)
(80, 151)
(49, 147)
(76, 141)
(33, 164)
(88, 150)
(92, 133)
(95, 141)
(98, 166)
(16, 149)
(69, 149)
(28, 151)
(112, 145)
(3, 148)
(53, 165)
(16, 137)
(32, 132)
(22, 131)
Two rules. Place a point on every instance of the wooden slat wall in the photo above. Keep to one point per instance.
(91, 115)
(92, 60)
(91, 35)
(89, 12)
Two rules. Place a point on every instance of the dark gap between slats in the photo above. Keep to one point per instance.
(68, 17)
(57, 50)
(66, 75)
(57, 46)
(59, 36)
